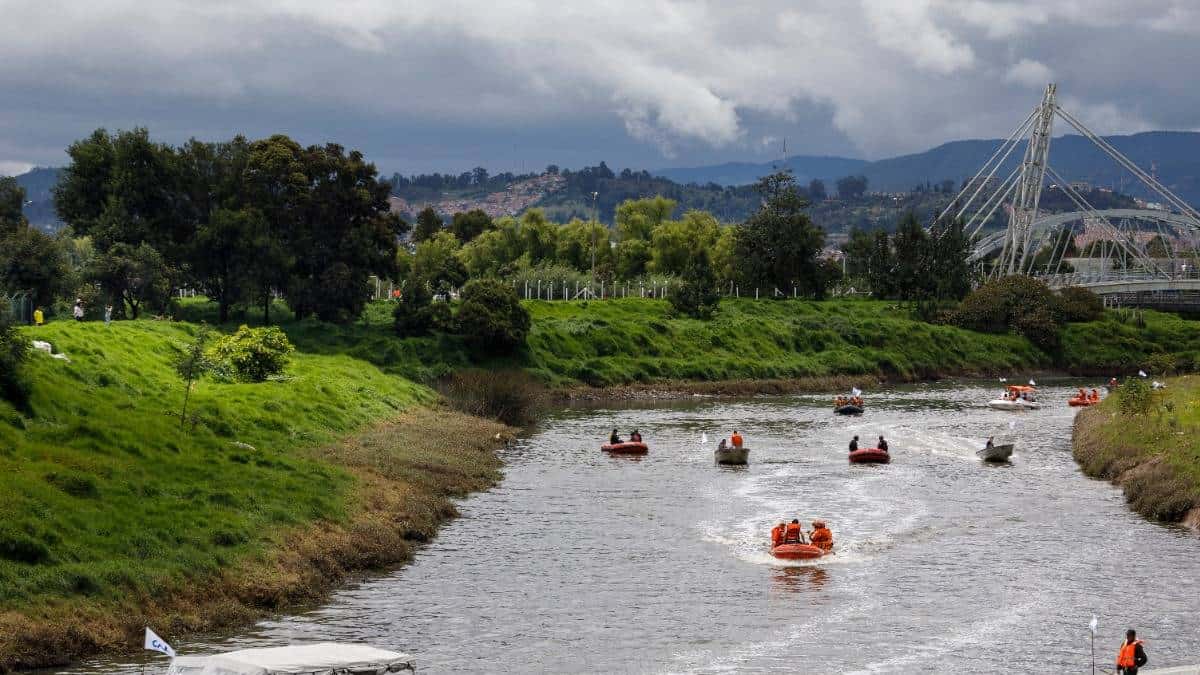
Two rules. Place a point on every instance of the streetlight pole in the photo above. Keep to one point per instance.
(595, 221)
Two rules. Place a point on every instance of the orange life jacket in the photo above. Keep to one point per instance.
(1126, 657)
(777, 535)
(822, 538)
(792, 534)
(737, 440)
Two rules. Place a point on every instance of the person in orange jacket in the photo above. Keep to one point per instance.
(794, 534)
(1132, 656)
(736, 439)
(821, 537)
(777, 534)
(1095, 395)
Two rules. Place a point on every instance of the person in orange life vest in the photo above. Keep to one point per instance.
(736, 439)
(821, 537)
(1132, 656)
(777, 534)
(1095, 395)
(794, 534)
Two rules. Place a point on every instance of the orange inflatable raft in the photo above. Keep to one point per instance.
(797, 551)
(626, 448)
(870, 456)
(1082, 402)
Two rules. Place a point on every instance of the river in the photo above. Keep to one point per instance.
(581, 562)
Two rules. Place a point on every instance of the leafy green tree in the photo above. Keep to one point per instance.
(697, 296)
(191, 365)
(429, 224)
(14, 350)
(912, 276)
(778, 245)
(637, 218)
(490, 317)
(33, 261)
(724, 256)
(437, 264)
(539, 236)
(417, 314)
(467, 226)
(852, 187)
(880, 266)
(1159, 247)
(137, 275)
(276, 181)
(576, 241)
(816, 190)
(1018, 303)
(347, 233)
(12, 201)
(857, 250)
(494, 252)
(950, 248)
(632, 258)
(674, 243)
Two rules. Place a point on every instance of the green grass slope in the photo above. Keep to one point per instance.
(1123, 342)
(105, 496)
(637, 340)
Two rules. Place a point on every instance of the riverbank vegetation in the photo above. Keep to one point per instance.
(114, 514)
(1147, 441)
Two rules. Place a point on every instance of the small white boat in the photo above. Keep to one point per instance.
(1009, 404)
(732, 455)
(323, 657)
(996, 453)
(1019, 397)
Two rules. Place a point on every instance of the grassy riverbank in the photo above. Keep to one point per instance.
(114, 517)
(1154, 456)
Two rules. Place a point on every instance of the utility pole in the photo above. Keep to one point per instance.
(595, 222)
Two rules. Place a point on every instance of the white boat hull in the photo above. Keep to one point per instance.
(1008, 404)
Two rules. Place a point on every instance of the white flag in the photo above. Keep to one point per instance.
(1032, 383)
(1004, 379)
(1093, 624)
(856, 392)
(1141, 373)
(157, 644)
(703, 437)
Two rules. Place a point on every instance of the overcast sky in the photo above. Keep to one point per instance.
(449, 84)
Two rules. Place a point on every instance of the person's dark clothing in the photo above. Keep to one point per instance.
(854, 445)
(883, 445)
(1139, 658)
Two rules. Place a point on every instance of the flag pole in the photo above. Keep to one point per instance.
(1093, 653)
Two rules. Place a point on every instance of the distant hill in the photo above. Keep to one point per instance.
(803, 167)
(1175, 156)
(39, 188)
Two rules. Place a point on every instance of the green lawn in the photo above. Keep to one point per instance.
(106, 496)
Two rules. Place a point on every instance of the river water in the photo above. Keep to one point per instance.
(581, 562)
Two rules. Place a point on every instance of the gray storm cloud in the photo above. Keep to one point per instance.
(681, 78)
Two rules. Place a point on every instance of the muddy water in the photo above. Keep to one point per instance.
(579, 562)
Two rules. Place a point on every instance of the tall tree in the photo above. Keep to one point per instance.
(429, 223)
(857, 250)
(277, 183)
(912, 273)
(852, 187)
(880, 268)
(816, 190)
(466, 226)
(12, 201)
(778, 245)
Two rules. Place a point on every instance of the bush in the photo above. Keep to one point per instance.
(491, 318)
(1160, 363)
(417, 314)
(1018, 303)
(14, 350)
(251, 354)
(511, 396)
(1079, 304)
(1135, 396)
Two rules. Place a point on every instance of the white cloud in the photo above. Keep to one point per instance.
(8, 168)
(1029, 73)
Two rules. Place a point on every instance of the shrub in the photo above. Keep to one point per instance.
(1135, 396)
(491, 318)
(252, 354)
(1160, 363)
(1080, 304)
(417, 314)
(697, 296)
(1018, 303)
(14, 350)
(511, 396)
(74, 484)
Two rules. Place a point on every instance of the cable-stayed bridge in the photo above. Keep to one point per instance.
(1135, 251)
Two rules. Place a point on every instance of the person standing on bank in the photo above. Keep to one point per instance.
(1132, 656)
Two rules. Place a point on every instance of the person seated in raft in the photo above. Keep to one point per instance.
(854, 444)
(1082, 395)
(635, 436)
(794, 534)
(777, 534)
(614, 438)
(1095, 395)
(723, 445)
(821, 537)
(989, 445)
(1112, 382)
(882, 444)
(736, 439)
